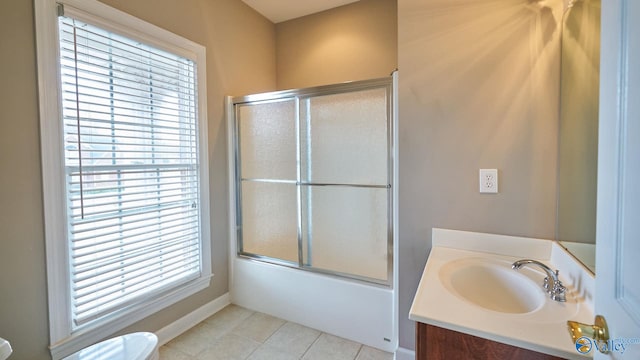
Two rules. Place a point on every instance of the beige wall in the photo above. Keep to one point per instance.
(353, 42)
(240, 59)
(578, 146)
(478, 89)
(23, 296)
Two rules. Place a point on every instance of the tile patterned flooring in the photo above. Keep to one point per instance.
(236, 333)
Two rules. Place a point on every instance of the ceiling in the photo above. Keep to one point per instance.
(283, 10)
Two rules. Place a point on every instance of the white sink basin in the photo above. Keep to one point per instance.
(493, 285)
(468, 286)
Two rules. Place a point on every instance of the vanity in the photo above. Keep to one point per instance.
(471, 303)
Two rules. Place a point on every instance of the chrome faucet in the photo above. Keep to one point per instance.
(552, 284)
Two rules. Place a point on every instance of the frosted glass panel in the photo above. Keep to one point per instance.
(345, 230)
(344, 138)
(331, 149)
(269, 220)
(268, 140)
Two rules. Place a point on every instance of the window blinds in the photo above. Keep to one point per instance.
(131, 160)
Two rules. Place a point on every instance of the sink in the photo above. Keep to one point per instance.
(468, 286)
(493, 285)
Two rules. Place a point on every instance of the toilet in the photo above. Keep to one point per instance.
(5, 349)
(135, 346)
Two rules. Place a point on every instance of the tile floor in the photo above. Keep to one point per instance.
(235, 333)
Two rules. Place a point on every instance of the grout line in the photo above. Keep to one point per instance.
(310, 346)
(254, 350)
(313, 342)
(359, 350)
(275, 331)
(259, 342)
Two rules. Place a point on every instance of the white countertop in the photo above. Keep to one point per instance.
(542, 330)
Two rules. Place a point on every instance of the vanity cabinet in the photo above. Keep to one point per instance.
(435, 343)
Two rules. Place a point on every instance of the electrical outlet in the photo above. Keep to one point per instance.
(489, 181)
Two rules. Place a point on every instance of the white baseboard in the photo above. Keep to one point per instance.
(192, 319)
(405, 354)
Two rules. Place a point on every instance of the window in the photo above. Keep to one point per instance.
(124, 167)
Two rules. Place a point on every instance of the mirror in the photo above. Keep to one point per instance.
(578, 131)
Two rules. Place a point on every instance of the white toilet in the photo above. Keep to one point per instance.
(136, 346)
(5, 349)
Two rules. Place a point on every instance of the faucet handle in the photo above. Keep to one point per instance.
(559, 292)
(546, 285)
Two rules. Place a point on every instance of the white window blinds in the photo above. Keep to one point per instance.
(131, 162)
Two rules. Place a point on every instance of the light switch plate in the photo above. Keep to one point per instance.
(489, 181)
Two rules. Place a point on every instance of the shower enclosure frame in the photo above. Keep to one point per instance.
(363, 312)
(298, 96)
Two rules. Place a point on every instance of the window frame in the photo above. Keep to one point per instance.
(63, 339)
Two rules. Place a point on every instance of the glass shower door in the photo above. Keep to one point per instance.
(345, 182)
(313, 179)
(267, 166)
